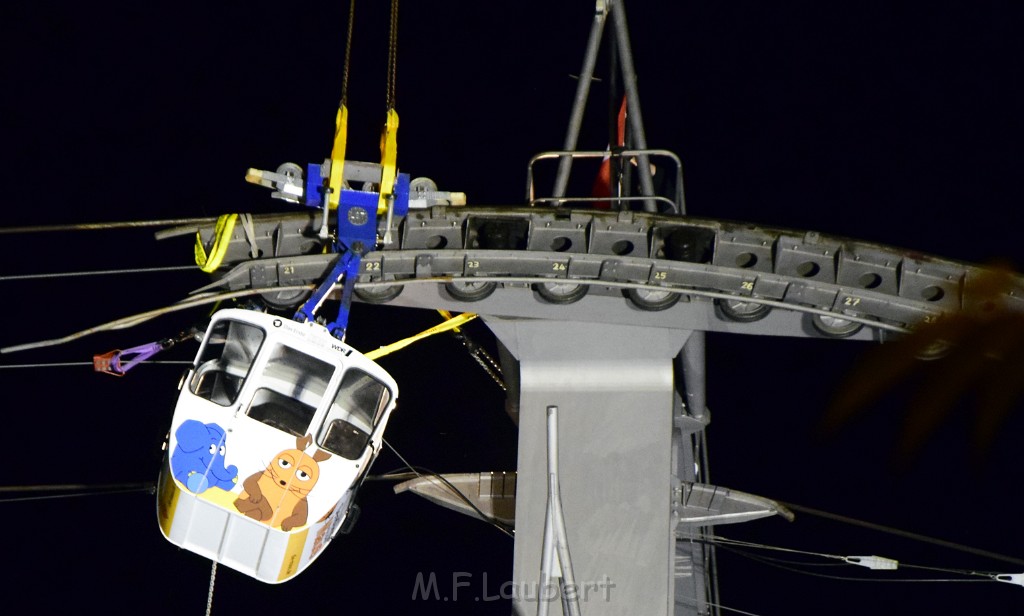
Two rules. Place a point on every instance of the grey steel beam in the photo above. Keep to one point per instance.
(614, 387)
(692, 367)
(636, 121)
(580, 101)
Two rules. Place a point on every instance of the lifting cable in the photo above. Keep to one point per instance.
(870, 562)
(451, 323)
(348, 53)
(389, 138)
(73, 490)
(903, 533)
(335, 179)
(718, 606)
(137, 270)
(416, 471)
(142, 317)
(210, 298)
(67, 364)
(392, 55)
(876, 563)
(103, 226)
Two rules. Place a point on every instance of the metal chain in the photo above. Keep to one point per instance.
(483, 358)
(348, 52)
(392, 54)
(209, 596)
(495, 376)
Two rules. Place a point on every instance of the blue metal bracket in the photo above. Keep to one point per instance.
(400, 207)
(356, 234)
(315, 181)
(314, 185)
(357, 218)
(347, 267)
(351, 271)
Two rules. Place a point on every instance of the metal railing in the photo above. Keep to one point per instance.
(678, 205)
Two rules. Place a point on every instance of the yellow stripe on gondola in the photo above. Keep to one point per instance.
(389, 156)
(167, 503)
(336, 179)
(293, 554)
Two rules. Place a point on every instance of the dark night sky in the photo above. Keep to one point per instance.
(879, 121)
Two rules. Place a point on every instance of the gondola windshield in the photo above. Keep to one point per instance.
(357, 408)
(229, 349)
(290, 390)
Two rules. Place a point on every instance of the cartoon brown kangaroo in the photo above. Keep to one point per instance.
(277, 495)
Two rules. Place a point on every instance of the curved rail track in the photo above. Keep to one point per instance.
(618, 267)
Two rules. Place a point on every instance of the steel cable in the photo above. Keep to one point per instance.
(103, 226)
(137, 270)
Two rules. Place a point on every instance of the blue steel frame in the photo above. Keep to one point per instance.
(355, 235)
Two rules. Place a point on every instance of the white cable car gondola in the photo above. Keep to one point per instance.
(276, 425)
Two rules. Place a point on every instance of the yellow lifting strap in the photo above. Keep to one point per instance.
(447, 315)
(336, 178)
(451, 323)
(221, 239)
(389, 155)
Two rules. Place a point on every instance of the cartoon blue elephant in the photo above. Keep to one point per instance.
(198, 458)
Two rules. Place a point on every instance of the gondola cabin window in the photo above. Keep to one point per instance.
(290, 389)
(353, 415)
(229, 349)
